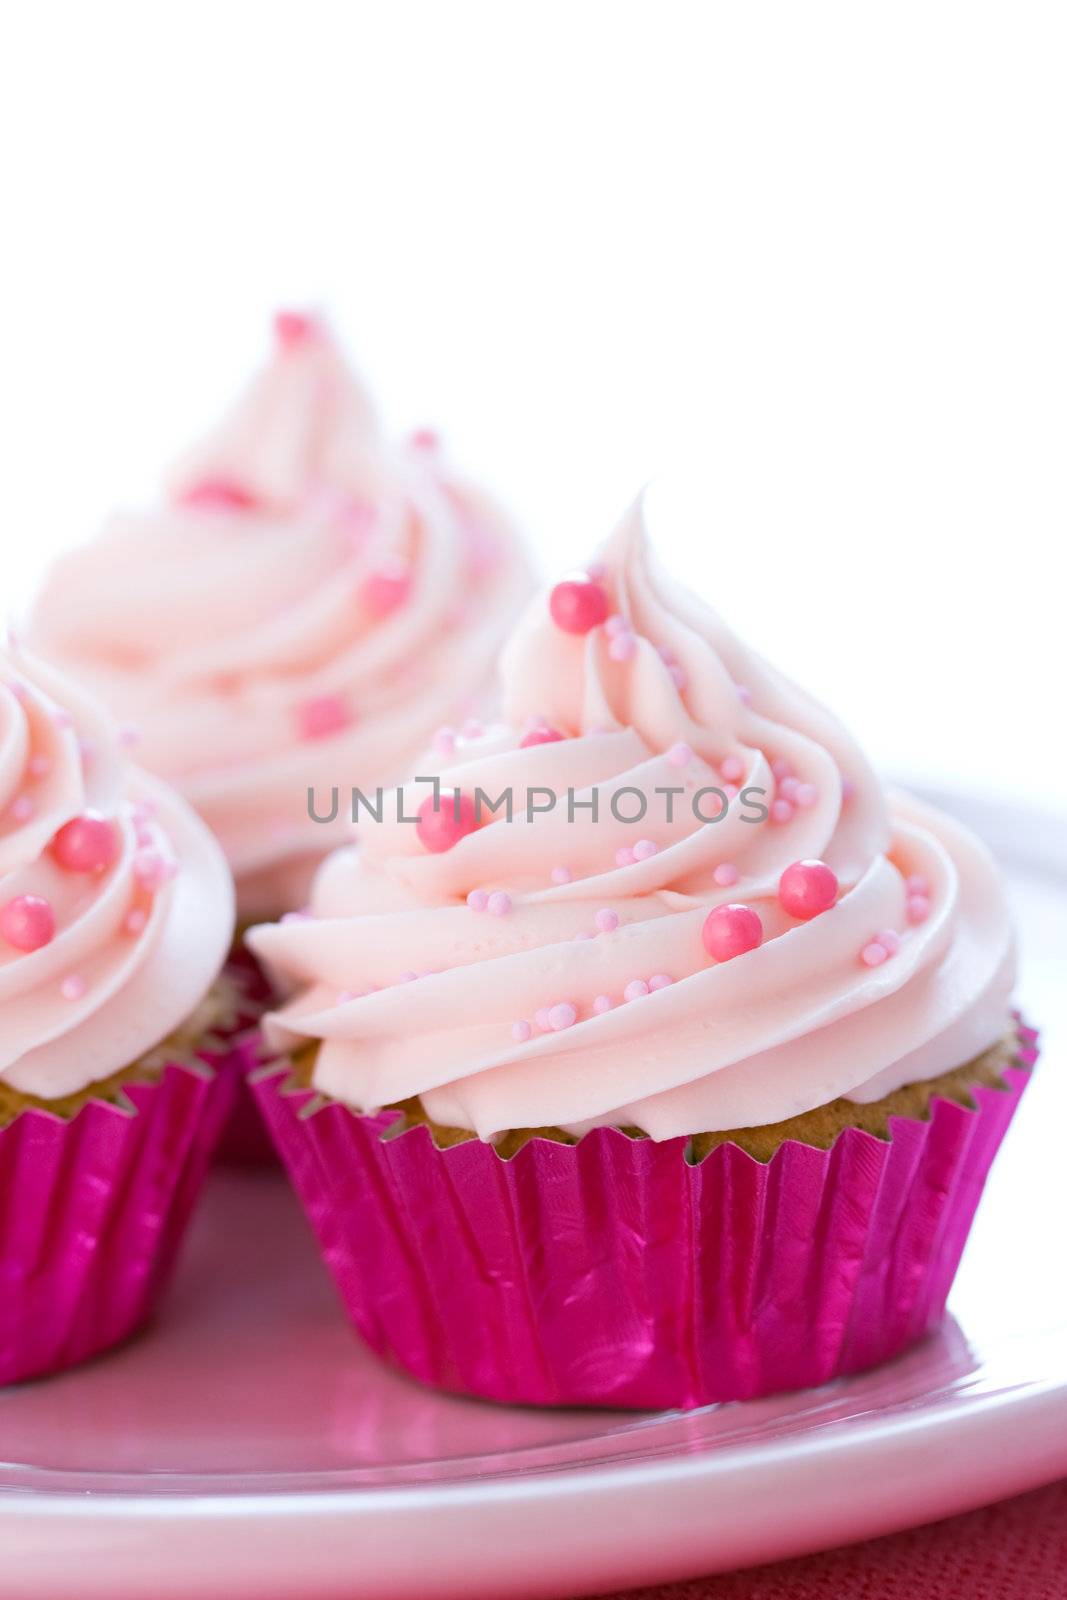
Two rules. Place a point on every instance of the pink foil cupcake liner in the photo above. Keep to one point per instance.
(92, 1210)
(245, 1141)
(615, 1272)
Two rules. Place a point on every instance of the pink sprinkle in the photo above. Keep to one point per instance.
(499, 903)
(292, 328)
(615, 624)
(889, 939)
(441, 827)
(636, 989)
(807, 889)
(217, 494)
(726, 874)
(322, 715)
(39, 766)
(22, 808)
(624, 857)
(659, 980)
(917, 884)
(782, 768)
(680, 754)
(744, 694)
(578, 607)
(27, 922)
(152, 869)
(562, 1016)
(732, 769)
(427, 439)
(521, 1031)
(73, 987)
(788, 788)
(472, 728)
(873, 954)
(136, 921)
(645, 849)
(444, 742)
(806, 795)
(477, 899)
(917, 908)
(88, 843)
(623, 647)
(607, 920)
(386, 590)
(731, 930)
(603, 1003)
(781, 811)
(540, 735)
(562, 875)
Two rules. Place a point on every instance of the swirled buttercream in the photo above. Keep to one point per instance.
(308, 604)
(556, 969)
(116, 904)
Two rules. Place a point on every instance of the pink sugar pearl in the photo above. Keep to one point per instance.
(726, 874)
(645, 849)
(386, 590)
(562, 1016)
(578, 606)
(540, 736)
(88, 843)
(730, 931)
(873, 954)
(152, 869)
(441, 826)
(477, 899)
(427, 439)
(73, 987)
(659, 980)
(636, 989)
(805, 795)
(602, 1004)
(732, 769)
(27, 922)
(623, 647)
(807, 888)
(607, 920)
(781, 768)
(136, 922)
(22, 808)
(781, 811)
(444, 742)
(322, 715)
(917, 884)
(624, 856)
(615, 624)
(917, 909)
(680, 754)
(217, 494)
(292, 328)
(499, 903)
(562, 875)
(889, 939)
(521, 1031)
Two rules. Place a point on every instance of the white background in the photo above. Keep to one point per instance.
(805, 262)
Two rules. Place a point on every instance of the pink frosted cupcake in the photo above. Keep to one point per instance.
(116, 912)
(680, 1083)
(309, 604)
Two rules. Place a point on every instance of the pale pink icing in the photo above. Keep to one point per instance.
(231, 637)
(106, 988)
(781, 1029)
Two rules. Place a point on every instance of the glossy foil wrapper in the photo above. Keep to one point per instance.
(92, 1209)
(614, 1272)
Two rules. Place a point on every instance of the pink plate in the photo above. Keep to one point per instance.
(248, 1446)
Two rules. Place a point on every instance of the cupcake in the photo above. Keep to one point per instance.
(116, 913)
(646, 1052)
(310, 602)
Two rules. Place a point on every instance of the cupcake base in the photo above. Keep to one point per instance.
(95, 1192)
(615, 1271)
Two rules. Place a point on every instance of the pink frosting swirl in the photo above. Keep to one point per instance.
(112, 929)
(309, 604)
(590, 997)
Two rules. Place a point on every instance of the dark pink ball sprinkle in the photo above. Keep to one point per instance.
(578, 606)
(27, 922)
(730, 931)
(445, 821)
(88, 843)
(540, 736)
(807, 888)
(217, 494)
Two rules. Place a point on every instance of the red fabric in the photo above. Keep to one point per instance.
(1016, 1550)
